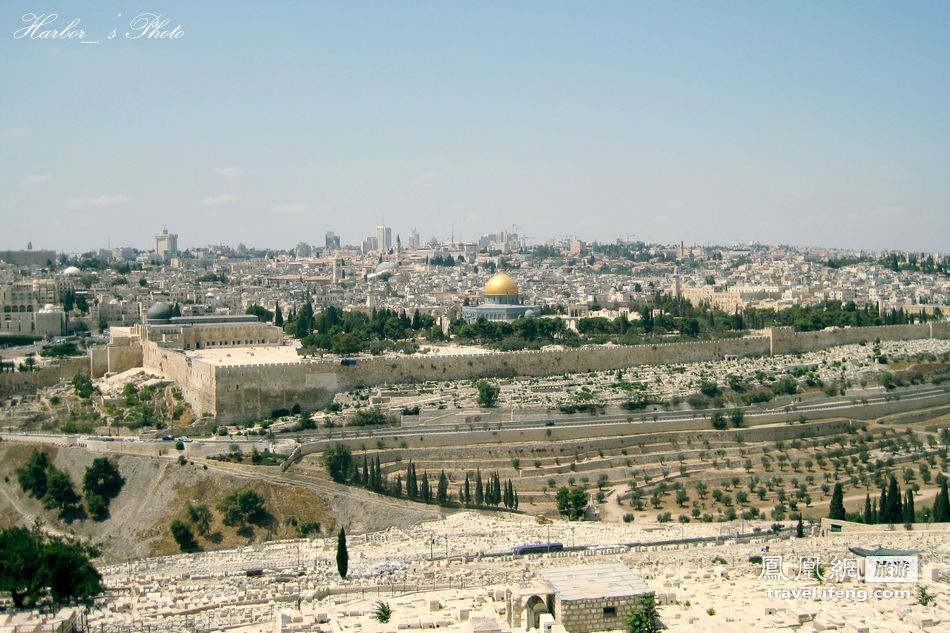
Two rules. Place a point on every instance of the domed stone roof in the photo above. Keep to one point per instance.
(501, 285)
(72, 270)
(160, 311)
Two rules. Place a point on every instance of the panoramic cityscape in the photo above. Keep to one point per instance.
(410, 316)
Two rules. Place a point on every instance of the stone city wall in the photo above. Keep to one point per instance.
(247, 392)
(195, 378)
(30, 381)
(123, 357)
(785, 340)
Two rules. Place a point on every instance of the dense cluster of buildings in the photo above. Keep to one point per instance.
(44, 294)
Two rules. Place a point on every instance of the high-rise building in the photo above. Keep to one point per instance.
(414, 241)
(332, 241)
(166, 244)
(384, 237)
(370, 244)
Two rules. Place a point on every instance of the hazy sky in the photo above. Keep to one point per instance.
(269, 123)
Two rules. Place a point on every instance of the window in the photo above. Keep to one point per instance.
(610, 612)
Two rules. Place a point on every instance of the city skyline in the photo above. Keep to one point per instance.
(807, 125)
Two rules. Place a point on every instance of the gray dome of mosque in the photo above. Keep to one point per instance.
(384, 266)
(528, 314)
(160, 311)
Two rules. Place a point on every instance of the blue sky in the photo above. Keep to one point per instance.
(270, 123)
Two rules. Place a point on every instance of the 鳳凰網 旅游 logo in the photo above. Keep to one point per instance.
(880, 569)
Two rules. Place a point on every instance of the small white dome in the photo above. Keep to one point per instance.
(72, 270)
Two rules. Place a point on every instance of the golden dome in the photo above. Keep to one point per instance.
(501, 285)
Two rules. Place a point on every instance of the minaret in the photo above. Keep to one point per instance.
(677, 290)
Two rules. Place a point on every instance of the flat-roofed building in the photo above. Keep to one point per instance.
(589, 598)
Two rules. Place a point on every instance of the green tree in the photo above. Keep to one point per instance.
(262, 314)
(426, 488)
(572, 502)
(342, 555)
(303, 324)
(183, 536)
(60, 494)
(35, 566)
(836, 507)
(737, 417)
(867, 517)
(487, 393)
(33, 475)
(910, 516)
(894, 512)
(244, 507)
(278, 315)
(442, 494)
(800, 528)
(645, 618)
(941, 510)
(101, 482)
(479, 488)
(82, 385)
(200, 516)
(338, 461)
(719, 421)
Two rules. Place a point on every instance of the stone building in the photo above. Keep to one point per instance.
(581, 598)
(202, 332)
(22, 301)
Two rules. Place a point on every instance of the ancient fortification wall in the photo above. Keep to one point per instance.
(253, 391)
(785, 340)
(28, 382)
(195, 378)
(247, 392)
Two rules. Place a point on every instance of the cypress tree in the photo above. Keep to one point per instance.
(397, 489)
(895, 511)
(365, 472)
(836, 507)
(867, 509)
(379, 475)
(882, 506)
(467, 492)
(910, 516)
(479, 489)
(515, 492)
(874, 511)
(342, 556)
(412, 486)
(941, 512)
(442, 496)
(800, 528)
(426, 490)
